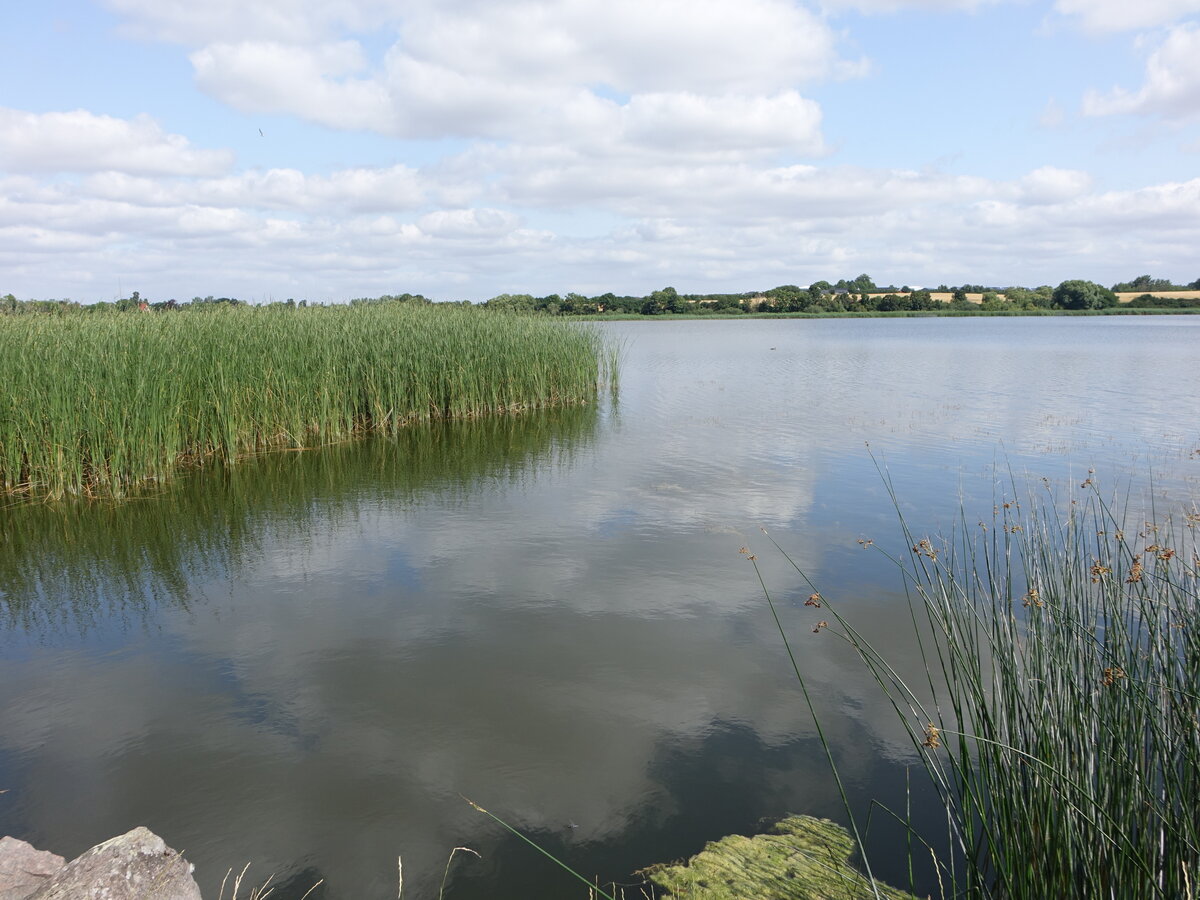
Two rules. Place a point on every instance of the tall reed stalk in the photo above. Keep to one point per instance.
(95, 405)
(1057, 716)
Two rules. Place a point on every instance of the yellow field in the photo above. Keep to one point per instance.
(1122, 297)
(1126, 296)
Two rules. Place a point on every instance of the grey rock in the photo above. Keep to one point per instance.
(24, 869)
(137, 865)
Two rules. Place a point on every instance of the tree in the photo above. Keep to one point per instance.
(921, 299)
(512, 302)
(665, 301)
(1079, 294)
(991, 301)
(1144, 283)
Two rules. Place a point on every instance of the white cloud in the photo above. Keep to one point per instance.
(471, 223)
(312, 82)
(188, 22)
(1125, 15)
(1053, 185)
(707, 225)
(537, 69)
(1052, 115)
(1172, 85)
(671, 45)
(358, 190)
(81, 141)
(685, 122)
(890, 6)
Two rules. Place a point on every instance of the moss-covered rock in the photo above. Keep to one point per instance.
(802, 858)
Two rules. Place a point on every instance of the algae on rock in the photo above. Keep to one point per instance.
(803, 858)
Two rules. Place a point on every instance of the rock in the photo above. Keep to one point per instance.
(24, 869)
(135, 866)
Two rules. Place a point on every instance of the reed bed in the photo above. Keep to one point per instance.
(96, 405)
(1057, 716)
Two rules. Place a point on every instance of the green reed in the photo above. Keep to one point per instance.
(94, 405)
(1057, 717)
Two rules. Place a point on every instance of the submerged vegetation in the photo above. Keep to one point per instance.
(95, 405)
(802, 856)
(1057, 716)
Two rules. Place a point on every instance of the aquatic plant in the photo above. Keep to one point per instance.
(98, 404)
(800, 856)
(1057, 717)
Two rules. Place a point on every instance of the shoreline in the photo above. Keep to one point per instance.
(895, 314)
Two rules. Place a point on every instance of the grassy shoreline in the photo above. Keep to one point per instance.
(95, 406)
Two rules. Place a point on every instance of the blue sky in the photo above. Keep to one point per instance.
(463, 148)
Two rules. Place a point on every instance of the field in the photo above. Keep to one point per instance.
(95, 405)
(1126, 296)
(1123, 297)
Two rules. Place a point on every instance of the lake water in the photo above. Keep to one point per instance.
(308, 661)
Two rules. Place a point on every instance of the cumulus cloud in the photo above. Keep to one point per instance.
(82, 141)
(473, 223)
(359, 190)
(684, 121)
(313, 82)
(703, 224)
(1172, 85)
(1122, 15)
(538, 69)
(672, 45)
(1053, 185)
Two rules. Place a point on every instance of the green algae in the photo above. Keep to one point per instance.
(802, 858)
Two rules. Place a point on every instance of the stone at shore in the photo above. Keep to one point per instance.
(137, 865)
(24, 869)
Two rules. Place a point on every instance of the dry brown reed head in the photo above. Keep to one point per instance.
(925, 548)
(1135, 571)
(933, 736)
(1112, 675)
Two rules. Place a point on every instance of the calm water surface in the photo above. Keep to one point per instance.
(308, 661)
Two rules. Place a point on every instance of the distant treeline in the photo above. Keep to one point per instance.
(857, 295)
(854, 295)
(137, 303)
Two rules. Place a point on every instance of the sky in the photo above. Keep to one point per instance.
(329, 149)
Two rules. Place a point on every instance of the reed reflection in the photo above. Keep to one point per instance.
(67, 565)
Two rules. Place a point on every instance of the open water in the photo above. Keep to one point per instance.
(308, 661)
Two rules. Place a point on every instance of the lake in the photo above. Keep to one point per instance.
(307, 661)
